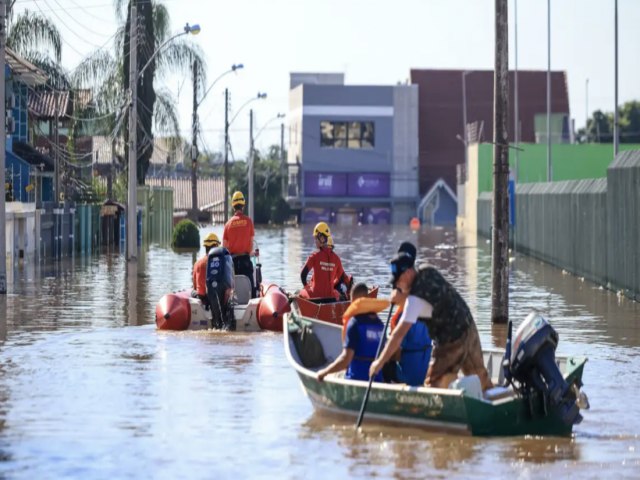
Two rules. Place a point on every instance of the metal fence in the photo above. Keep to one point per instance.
(590, 228)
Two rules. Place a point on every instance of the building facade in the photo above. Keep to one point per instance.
(456, 110)
(353, 151)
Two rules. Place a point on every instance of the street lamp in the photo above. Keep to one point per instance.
(252, 140)
(259, 96)
(134, 76)
(194, 130)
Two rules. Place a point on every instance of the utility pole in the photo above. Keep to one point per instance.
(549, 173)
(616, 126)
(194, 145)
(586, 109)
(226, 155)
(132, 199)
(500, 231)
(3, 139)
(56, 147)
(283, 169)
(251, 157)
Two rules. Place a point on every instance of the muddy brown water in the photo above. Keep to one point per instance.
(89, 388)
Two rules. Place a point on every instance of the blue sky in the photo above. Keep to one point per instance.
(372, 42)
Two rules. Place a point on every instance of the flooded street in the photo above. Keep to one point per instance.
(89, 388)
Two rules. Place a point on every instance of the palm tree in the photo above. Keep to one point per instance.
(107, 74)
(36, 38)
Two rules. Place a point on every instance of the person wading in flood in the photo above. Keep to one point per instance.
(428, 297)
(237, 237)
(200, 269)
(326, 266)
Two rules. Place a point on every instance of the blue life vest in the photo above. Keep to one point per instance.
(369, 333)
(416, 353)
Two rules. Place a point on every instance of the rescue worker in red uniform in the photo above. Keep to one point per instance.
(326, 266)
(200, 269)
(238, 239)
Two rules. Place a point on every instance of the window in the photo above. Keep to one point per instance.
(346, 134)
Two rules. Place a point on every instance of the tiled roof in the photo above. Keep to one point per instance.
(49, 104)
(210, 192)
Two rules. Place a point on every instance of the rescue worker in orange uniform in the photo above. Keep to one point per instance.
(238, 239)
(326, 266)
(200, 269)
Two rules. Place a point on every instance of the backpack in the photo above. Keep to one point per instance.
(308, 347)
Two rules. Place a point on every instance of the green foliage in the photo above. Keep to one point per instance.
(186, 235)
(600, 125)
(269, 206)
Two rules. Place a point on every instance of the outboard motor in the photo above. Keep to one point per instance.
(533, 366)
(220, 285)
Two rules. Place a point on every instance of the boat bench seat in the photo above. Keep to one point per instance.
(242, 290)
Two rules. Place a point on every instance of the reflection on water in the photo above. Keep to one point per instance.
(88, 387)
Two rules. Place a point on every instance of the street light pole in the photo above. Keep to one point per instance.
(132, 199)
(465, 137)
(251, 203)
(616, 126)
(3, 204)
(516, 106)
(586, 109)
(226, 155)
(549, 173)
(195, 126)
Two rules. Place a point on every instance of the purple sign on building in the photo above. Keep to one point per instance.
(325, 184)
(368, 185)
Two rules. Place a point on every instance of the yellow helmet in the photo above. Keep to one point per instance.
(237, 199)
(322, 229)
(211, 240)
(330, 242)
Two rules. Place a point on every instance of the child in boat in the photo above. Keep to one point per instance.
(361, 335)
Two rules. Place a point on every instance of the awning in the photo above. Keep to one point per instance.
(33, 157)
(26, 71)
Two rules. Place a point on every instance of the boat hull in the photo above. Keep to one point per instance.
(327, 312)
(429, 408)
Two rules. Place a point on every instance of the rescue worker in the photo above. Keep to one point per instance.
(411, 361)
(326, 266)
(238, 239)
(343, 284)
(200, 269)
(428, 297)
(361, 336)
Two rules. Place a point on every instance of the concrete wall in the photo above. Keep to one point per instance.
(590, 228)
(623, 223)
(404, 176)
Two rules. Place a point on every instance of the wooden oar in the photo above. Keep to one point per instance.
(366, 395)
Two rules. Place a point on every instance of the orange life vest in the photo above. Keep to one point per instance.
(360, 306)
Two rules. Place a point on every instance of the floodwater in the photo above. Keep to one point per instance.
(89, 389)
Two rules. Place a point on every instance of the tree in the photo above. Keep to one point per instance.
(630, 122)
(107, 74)
(600, 125)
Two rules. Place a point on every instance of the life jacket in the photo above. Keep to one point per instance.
(369, 334)
(451, 316)
(415, 351)
(415, 355)
(360, 306)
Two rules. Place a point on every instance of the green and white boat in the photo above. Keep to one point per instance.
(498, 412)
